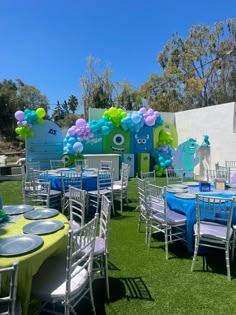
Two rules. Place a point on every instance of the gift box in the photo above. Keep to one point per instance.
(204, 186)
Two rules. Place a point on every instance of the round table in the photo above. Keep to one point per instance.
(54, 244)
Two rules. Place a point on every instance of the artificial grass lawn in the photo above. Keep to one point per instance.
(142, 281)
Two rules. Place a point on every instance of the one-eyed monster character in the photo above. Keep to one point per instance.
(143, 140)
(70, 158)
(117, 141)
(184, 157)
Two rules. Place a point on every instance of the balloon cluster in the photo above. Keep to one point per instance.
(162, 156)
(115, 115)
(100, 127)
(81, 129)
(26, 119)
(133, 121)
(151, 117)
(84, 131)
(72, 144)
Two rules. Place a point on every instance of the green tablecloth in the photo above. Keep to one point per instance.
(54, 244)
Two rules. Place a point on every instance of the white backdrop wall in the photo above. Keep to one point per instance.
(218, 122)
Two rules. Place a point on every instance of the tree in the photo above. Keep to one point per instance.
(73, 103)
(8, 106)
(197, 71)
(97, 88)
(194, 64)
(17, 96)
(160, 94)
(128, 98)
(57, 112)
(30, 97)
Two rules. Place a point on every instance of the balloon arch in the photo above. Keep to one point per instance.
(144, 128)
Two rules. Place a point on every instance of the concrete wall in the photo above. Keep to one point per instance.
(218, 122)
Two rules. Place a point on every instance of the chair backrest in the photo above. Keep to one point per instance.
(212, 175)
(105, 179)
(80, 249)
(174, 176)
(230, 164)
(40, 193)
(106, 165)
(8, 301)
(57, 164)
(71, 179)
(142, 194)
(104, 217)
(156, 196)
(77, 203)
(149, 177)
(30, 167)
(124, 165)
(211, 208)
(125, 176)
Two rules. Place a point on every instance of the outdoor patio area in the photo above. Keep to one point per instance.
(142, 281)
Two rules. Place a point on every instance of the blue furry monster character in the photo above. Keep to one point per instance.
(184, 157)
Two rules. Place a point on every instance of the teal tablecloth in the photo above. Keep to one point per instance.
(188, 207)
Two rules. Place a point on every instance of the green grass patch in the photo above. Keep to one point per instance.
(142, 281)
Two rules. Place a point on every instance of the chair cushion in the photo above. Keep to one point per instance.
(212, 230)
(100, 246)
(50, 282)
(173, 217)
(102, 191)
(67, 194)
(55, 192)
(75, 226)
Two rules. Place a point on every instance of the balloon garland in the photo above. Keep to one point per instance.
(26, 119)
(83, 131)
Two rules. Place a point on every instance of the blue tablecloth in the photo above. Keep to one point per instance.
(188, 207)
(89, 181)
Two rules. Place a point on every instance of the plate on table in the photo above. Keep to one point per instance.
(231, 185)
(176, 190)
(63, 169)
(91, 169)
(53, 172)
(43, 227)
(185, 196)
(41, 214)
(16, 209)
(19, 244)
(181, 186)
(191, 183)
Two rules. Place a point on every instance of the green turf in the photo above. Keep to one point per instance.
(143, 282)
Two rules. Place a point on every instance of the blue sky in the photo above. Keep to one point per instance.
(45, 42)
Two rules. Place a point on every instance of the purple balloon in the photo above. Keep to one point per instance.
(19, 115)
(72, 131)
(150, 121)
(80, 122)
(142, 110)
